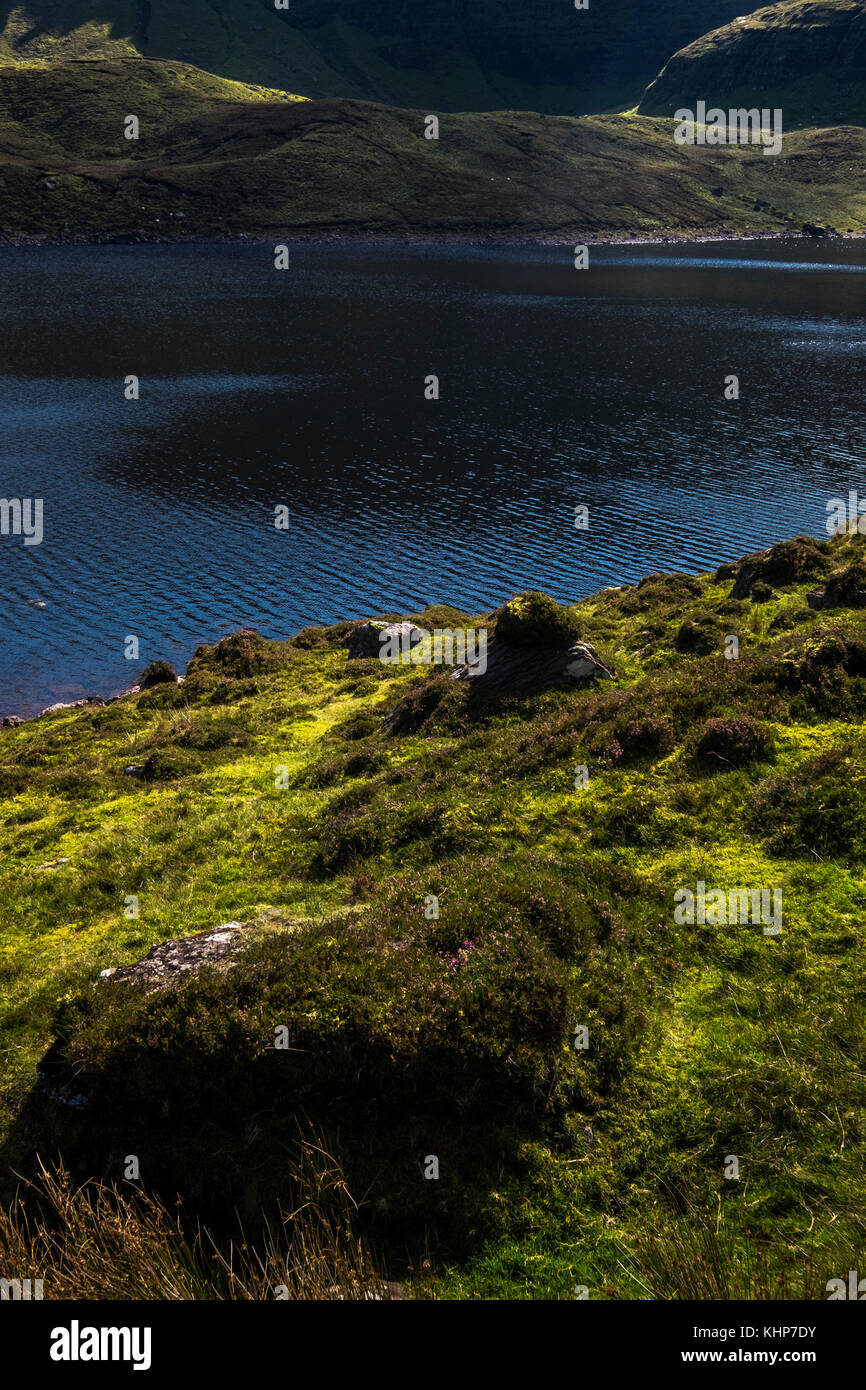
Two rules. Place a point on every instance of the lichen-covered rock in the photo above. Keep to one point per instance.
(166, 962)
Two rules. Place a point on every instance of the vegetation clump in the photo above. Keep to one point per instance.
(533, 619)
(698, 637)
(243, 654)
(169, 764)
(735, 742)
(157, 673)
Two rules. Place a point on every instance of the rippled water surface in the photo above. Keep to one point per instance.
(306, 388)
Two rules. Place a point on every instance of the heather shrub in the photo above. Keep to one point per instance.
(157, 673)
(698, 637)
(730, 742)
(169, 764)
(242, 654)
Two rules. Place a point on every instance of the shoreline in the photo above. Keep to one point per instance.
(139, 237)
(15, 721)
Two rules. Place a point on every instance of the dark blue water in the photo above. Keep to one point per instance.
(305, 388)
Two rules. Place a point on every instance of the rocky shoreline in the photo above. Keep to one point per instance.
(140, 237)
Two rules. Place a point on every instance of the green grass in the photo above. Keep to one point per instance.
(414, 1035)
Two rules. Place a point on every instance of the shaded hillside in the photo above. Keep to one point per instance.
(806, 56)
(451, 55)
(214, 158)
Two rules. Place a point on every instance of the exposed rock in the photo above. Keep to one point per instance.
(368, 638)
(585, 663)
(789, 562)
(12, 721)
(744, 581)
(844, 589)
(165, 963)
(73, 704)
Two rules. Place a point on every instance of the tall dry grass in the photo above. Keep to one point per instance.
(97, 1241)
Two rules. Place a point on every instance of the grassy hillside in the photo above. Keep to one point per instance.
(217, 158)
(806, 56)
(452, 55)
(266, 790)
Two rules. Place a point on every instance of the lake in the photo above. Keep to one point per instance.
(305, 389)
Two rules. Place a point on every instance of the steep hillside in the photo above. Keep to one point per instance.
(217, 158)
(806, 56)
(451, 55)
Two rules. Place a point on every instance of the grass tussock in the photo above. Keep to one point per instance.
(697, 1259)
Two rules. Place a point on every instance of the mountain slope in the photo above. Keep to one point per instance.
(217, 158)
(452, 55)
(806, 56)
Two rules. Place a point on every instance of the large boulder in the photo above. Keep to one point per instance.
(537, 644)
(515, 669)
